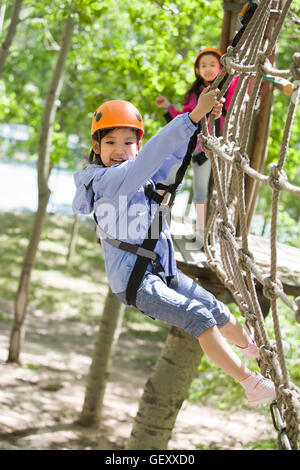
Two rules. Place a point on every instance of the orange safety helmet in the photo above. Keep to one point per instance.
(117, 113)
(207, 50)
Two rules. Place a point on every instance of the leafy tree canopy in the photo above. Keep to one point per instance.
(129, 50)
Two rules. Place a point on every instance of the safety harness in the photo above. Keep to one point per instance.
(145, 252)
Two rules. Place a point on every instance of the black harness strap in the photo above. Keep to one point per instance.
(145, 252)
(134, 249)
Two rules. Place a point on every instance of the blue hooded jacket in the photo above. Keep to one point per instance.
(117, 196)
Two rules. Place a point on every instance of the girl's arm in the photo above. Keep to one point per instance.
(189, 104)
(127, 178)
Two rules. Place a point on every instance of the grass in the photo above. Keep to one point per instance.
(52, 284)
(266, 444)
(78, 291)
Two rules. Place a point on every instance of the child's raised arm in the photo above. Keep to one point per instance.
(206, 102)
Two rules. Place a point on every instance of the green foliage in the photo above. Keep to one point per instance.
(85, 274)
(267, 444)
(214, 387)
(130, 50)
(289, 210)
(127, 50)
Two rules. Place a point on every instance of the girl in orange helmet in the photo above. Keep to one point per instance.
(115, 186)
(207, 66)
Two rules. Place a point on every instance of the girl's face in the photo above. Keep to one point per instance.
(208, 68)
(117, 146)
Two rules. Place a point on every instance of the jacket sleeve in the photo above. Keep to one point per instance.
(167, 144)
(83, 202)
(174, 159)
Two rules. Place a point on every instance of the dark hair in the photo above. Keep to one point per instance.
(194, 88)
(98, 135)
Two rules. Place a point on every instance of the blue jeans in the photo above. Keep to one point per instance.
(183, 303)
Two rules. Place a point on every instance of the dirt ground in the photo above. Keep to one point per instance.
(41, 400)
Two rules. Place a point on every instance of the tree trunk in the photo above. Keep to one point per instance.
(44, 192)
(73, 238)
(106, 339)
(2, 14)
(10, 33)
(165, 392)
(229, 23)
(258, 148)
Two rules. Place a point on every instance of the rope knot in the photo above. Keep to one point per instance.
(263, 65)
(244, 257)
(267, 354)
(277, 177)
(212, 264)
(226, 61)
(204, 141)
(251, 317)
(244, 306)
(239, 158)
(271, 289)
(229, 284)
(225, 231)
(295, 67)
(230, 51)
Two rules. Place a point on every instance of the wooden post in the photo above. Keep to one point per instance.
(229, 25)
(259, 142)
(257, 149)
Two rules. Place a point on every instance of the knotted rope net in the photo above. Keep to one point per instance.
(228, 254)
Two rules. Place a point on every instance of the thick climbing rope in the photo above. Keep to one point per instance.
(228, 255)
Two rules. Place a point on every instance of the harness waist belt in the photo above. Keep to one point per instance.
(135, 249)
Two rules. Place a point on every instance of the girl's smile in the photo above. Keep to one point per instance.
(117, 146)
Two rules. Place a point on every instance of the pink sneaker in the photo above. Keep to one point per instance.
(252, 351)
(258, 389)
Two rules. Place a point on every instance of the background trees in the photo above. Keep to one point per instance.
(130, 50)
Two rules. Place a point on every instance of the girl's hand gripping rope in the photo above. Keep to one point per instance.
(207, 101)
(217, 109)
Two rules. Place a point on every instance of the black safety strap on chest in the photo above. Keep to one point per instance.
(145, 252)
(244, 17)
(156, 225)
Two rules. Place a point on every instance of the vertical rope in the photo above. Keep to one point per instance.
(233, 263)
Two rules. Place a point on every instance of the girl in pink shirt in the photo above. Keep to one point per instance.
(206, 67)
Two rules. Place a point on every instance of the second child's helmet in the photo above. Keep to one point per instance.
(206, 50)
(117, 113)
